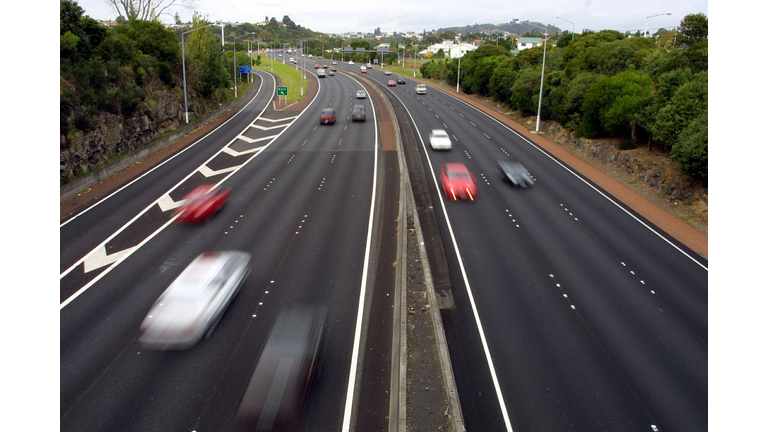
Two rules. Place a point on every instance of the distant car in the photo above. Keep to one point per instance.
(369, 65)
(400, 80)
(317, 66)
(421, 89)
(325, 66)
(277, 392)
(333, 68)
(327, 116)
(458, 182)
(195, 301)
(333, 62)
(321, 73)
(358, 113)
(514, 173)
(201, 204)
(363, 70)
(392, 83)
(331, 73)
(439, 140)
(291, 59)
(387, 72)
(351, 62)
(361, 94)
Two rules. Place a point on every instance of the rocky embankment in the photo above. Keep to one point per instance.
(116, 134)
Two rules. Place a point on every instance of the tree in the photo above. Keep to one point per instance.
(612, 105)
(694, 28)
(691, 150)
(148, 10)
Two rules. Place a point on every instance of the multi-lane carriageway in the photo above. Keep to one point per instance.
(571, 310)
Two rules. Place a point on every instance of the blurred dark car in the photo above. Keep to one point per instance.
(358, 113)
(279, 387)
(400, 80)
(201, 204)
(195, 301)
(327, 116)
(458, 182)
(514, 173)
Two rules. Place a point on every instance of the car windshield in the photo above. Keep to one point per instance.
(440, 134)
(327, 112)
(457, 174)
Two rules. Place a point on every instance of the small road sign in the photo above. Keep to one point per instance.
(282, 91)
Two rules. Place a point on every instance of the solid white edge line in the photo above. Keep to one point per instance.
(486, 349)
(575, 174)
(172, 157)
(135, 248)
(361, 303)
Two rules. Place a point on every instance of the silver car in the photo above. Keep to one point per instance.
(195, 301)
(514, 173)
(361, 94)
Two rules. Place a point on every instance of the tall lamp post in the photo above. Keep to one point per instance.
(234, 59)
(543, 63)
(572, 25)
(645, 34)
(184, 67)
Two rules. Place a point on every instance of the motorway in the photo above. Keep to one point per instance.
(566, 310)
(583, 315)
(305, 203)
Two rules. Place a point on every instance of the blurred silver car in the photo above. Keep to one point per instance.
(277, 392)
(515, 173)
(195, 301)
(361, 94)
(439, 140)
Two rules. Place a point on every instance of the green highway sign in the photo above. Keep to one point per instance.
(282, 91)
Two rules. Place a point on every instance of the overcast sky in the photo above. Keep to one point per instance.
(403, 15)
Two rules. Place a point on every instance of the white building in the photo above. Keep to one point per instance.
(450, 48)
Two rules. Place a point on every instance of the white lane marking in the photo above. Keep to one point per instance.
(121, 229)
(172, 157)
(578, 176)
(363, 286)
(100, 258)
(486, 349)
(167, 203)
(204, 170)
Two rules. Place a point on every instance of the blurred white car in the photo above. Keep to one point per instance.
(421, 89)
(361, 94)
(439, 140)
(195, 301)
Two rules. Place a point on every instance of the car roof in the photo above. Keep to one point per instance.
(327, 110)
(439, 132)
(455, 167)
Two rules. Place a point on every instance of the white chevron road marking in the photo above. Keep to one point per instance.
(99, 258)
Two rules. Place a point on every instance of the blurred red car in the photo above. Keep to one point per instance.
(458, 182)
(202, 203)
(391, 83)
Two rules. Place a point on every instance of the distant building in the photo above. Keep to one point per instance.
(529, 42)
(108, 23)
(450, 48)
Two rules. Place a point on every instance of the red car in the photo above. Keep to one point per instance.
(392, 83)
(327, 116)
(458, 182)
(202, 203)
(317, 66)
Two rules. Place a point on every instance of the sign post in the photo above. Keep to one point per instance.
(282, 91)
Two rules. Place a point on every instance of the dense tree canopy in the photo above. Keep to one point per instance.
(604, 84)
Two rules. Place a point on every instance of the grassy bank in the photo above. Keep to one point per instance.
(289, 76)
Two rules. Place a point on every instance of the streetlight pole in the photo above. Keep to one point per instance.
(572, 24)
(184, 68)
(645, 34)
(234, 59)
(543, 63)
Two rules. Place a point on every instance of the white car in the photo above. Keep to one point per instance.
(421, 89)
(194, 302)
(387, 72)
(333, 62)
(351, 62)
(439, 140)
(361, 94)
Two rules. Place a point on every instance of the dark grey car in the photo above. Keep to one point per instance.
(514, 173)
(358, 113)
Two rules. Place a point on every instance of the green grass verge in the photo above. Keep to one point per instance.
(289, 75)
